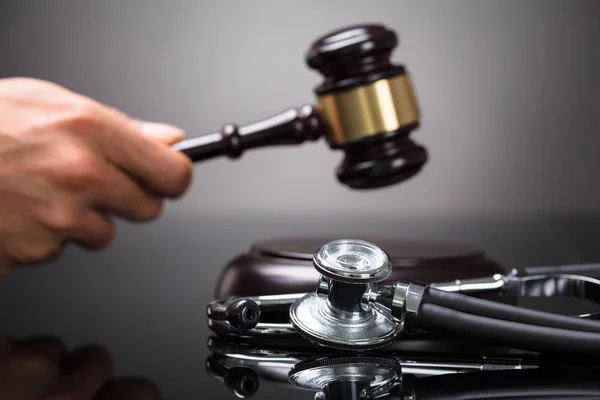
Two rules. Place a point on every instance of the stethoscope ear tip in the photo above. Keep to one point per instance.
(243, 314)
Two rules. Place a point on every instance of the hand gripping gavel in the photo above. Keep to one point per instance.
(366, 108)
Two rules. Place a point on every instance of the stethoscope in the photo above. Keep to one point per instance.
(352, 310)
(393, 376)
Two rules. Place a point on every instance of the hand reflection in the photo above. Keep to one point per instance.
(41, 368)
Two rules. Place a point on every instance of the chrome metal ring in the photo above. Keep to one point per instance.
(352, 261)
(406, 303)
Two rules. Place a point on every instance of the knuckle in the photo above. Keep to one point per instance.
(31, 363)
(78, 114)
(107, 235)
(20, 80)
(28, 84)
(150, 210)
(60, 217)
(104, 236)
(77, 168)
(42, 252)
(32, 253)
(83, 114)
(181, 177)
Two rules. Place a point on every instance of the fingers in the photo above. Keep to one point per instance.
(92, 230)
(85, 372)
(162, 133)
(23, 240)
(83, 178)
(32, 367)
(157, 167)
(38, 232)
(140, 149)
(47, 346)
(67, 162)
(118, 194)
(39, 367)
(41, 217)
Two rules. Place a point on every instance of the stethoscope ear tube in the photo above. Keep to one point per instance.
(506, 333)
(591, 270)
(492, 309)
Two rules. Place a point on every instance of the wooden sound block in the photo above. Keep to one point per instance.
(283, 266)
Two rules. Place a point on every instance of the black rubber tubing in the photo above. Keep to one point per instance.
(591, 270)
(492, 309)
(511, 334)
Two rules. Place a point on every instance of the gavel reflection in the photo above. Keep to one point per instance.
(366, 108)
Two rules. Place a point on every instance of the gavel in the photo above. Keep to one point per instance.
(366, 107)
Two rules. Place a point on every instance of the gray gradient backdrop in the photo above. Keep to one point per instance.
(509, 92)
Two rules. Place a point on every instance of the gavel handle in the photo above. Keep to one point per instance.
(293, 126)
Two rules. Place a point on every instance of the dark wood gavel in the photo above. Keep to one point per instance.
(366, 108)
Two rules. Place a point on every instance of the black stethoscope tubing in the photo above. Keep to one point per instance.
(468, 317)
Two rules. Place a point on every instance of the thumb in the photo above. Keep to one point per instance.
(165, 133)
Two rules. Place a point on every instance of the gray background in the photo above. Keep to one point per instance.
(509, 94)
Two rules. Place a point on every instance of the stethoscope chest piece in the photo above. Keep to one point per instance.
(336, 315)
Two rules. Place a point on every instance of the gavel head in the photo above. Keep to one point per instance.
(368, 106)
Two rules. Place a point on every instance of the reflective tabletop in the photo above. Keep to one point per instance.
(147, 309)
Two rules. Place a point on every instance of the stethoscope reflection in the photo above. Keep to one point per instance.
(399, 376)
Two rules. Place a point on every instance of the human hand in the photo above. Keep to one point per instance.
(39, 368)
(70, 164)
